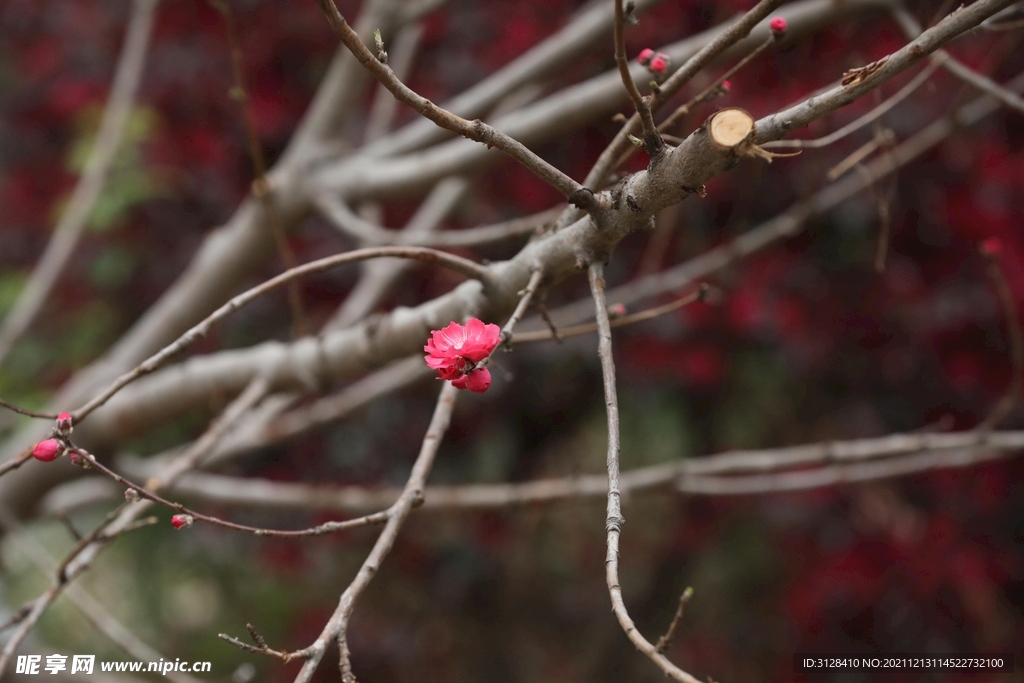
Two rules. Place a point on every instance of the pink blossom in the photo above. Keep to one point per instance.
(778, 25)
(658, 64)
(645, 56)
(46, 451)
(455, 350)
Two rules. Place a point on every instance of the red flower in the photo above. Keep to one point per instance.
(455, 351)
(46, 451)
(182, 521)
(778, 25)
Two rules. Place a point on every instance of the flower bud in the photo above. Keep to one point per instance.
(132, 496)
(658, 64)
(64, 423)
(47, 451)
(778, 26)
(181, 521)
(645, 56)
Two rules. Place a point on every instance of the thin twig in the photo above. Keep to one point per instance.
(652, 140)
(91, 608)
(84, 552)
(732, 35)
(867, 118)
(614, 519)
(412, 494)
(90, 185)
(631, 319)
(954, 66)
(699, 476)
(474, 130)
(260, 186)
(319, 530)
(262, 649)
(524, 302)
(1013, 324)
(792, 221)
(61, 577)
(664, 641)
(25, 411)
(348, 221)
(684, 109)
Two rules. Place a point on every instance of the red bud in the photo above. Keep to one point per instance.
(47, 451)
(182, 521)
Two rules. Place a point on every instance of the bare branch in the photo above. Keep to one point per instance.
(92, 609)
(664, 641)
(24, 411)
(867, 118)
(870, 77)
(474, 130)
(1009, 306)
(456, 263)
(125, 517)
(652, 140)
(793, 220)
(614, 519)
(736, 472)
(622, 321)
(912, 29)
(378, 276)
(90, 185)
(723, 41)
(260, 186)
(524, 302)
(411, 495)
(350, 222)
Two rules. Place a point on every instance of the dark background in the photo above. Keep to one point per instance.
(806, 342)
